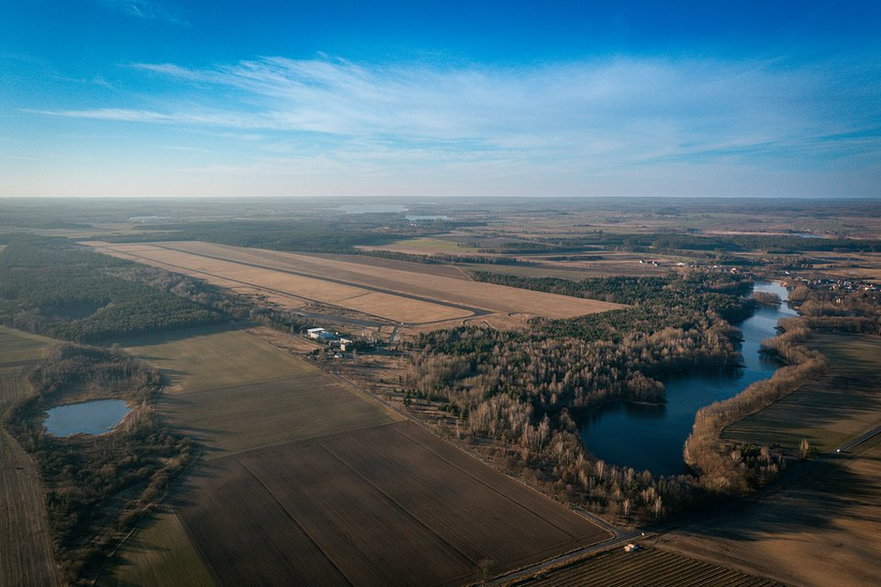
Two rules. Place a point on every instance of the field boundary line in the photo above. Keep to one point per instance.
(613, 530)
(395, 504)
(293, 519)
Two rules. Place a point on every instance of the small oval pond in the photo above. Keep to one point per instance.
(94, 417)
(652, 436)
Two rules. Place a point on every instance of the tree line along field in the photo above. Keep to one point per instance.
(293, 460)
(829, 411)
(819, 524)
(646, 566)
(25, 542)
(396, 294)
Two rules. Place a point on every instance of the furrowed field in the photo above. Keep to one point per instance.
(645, 567)
(305, 481)
(25, 543)
(383, 506)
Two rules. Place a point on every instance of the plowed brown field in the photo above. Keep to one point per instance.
(389, 505)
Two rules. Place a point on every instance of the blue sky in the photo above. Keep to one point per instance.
(161, 97)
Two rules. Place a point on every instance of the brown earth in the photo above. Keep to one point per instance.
(389, 505)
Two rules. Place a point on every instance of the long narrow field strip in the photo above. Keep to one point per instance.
(388, 505)
(25, 542)
(647, 566)
(829, 411)
(396, 294)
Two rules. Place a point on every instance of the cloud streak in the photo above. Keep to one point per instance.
(574, 118)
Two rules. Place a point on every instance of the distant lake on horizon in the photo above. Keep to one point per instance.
(93, 417)
(370, 209)
(652, 436)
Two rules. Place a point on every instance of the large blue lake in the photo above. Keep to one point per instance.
(94, 417)
(652, 437)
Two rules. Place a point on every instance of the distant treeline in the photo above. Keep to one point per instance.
(328, 235)
(717, 292)
(445, 258)
(668, 242)
(54, 287)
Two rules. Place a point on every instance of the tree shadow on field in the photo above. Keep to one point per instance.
(811, 497)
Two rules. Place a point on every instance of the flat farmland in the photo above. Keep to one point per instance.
(396, 294)
(160, 554)
(646, 566)
(820, 525)
(25, 543)
(233, 391)
(829, 411)
(381, 506)
(819, 529)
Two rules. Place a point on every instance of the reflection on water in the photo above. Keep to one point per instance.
(95, 417)
(651, 437)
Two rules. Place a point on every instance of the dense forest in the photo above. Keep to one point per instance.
(97, 487)
(526, 390)
(54, 287)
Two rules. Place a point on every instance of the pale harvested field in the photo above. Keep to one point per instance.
(400, 295)
(821, 529)
(390, 505)
(25, 543)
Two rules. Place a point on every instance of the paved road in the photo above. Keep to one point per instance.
(860, 439)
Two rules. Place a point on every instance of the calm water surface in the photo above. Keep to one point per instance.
(95, 417)
(652, 437)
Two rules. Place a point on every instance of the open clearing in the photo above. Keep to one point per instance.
(305, 481)
(388, 505)
(819, 526)
(25, 543)
(646, 566)
(399, 295)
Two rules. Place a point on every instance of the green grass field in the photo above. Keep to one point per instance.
(160, 554)
(827, 412)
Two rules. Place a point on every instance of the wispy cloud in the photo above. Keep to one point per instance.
(572, 118)
(145, 9)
